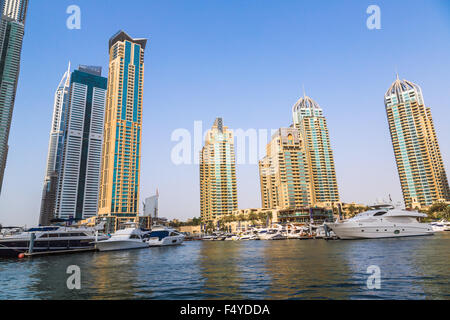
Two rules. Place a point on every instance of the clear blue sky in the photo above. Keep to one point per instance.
(244, 60)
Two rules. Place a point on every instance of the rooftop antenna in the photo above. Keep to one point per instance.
(304, 93)
(396, 72)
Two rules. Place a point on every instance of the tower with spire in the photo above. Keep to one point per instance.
(309, 120)
(72, 179)
(419, 161)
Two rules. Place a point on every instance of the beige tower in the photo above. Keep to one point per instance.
(119, 185)
(312, 125)
(419, 161)
(284, 178)
(218, 192)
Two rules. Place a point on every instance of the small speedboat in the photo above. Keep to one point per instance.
(270, 234)
(232, 237)
(440, 226)
(124, 239)
(162, 236)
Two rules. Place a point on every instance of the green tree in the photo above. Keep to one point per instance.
(445, 215)
(351, 210)
(209, 227)
(253, 217)
(438, 210)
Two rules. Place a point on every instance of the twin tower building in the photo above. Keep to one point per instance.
(94, 151)
(298, 170)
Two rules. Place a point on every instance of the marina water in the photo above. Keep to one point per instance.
(411, 268)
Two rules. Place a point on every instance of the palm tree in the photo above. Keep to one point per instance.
(351, 209)
(445, 215)
(209, 226)
(262, 216)
(253, 217)
(270, 215)
(437, 210)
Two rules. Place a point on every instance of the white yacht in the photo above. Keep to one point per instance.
(232, 237)
(270, 234)
(294, 232)
(129, 238)
(383, 222)
(162, 236)
(440, 226)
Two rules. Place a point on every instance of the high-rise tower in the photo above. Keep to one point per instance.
(218, 192)
(73, 167)
(55, 150)
(309, 119)
(283, 172)
(12, 29)
(119, 188)
(419, 161)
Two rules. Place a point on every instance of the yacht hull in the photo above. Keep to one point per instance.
(13, 247)
(168, 241)
(120, 245)
(348, 232)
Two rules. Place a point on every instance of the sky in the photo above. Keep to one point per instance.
(247, 62)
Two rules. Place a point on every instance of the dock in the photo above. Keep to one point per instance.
(47, 253)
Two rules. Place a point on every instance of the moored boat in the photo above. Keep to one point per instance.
(47, 239)
(386, 222)
(128, 238)
(163, 236)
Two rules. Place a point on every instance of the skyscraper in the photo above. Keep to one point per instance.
(119, 188)
(218, 192)
(284, 174)
(55, 149)
(419, 161)
(75, 147)
(12, 29)
(309, 120)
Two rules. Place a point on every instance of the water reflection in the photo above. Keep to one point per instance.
(412, 268)
(219, 261)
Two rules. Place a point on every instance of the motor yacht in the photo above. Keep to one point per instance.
(163, 236)
(248, 235)
(208, 238)
(130, 237)
(387, 222)
(14, 241)
(231, 237)
(270, 234)
(294, 233)
(440, 226)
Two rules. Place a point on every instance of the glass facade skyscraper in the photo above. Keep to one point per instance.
(419, 161)
(12, 29)
(55, 149)
(75, 147)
